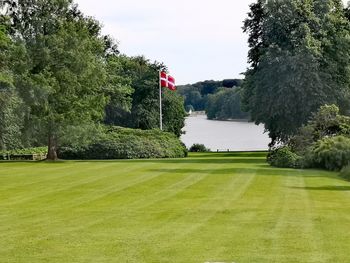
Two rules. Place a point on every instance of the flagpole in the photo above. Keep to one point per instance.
(160, 103)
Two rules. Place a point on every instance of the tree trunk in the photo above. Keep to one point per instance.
(52, 148)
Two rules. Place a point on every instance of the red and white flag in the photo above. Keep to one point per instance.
(167, 81)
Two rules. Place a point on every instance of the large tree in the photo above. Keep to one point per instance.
(299, 61)
(63, 76)
(10, 104)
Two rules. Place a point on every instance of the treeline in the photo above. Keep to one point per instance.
(220, 99)
(225, 104)
(61, 78)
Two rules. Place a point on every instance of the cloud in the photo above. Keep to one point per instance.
(196, 39)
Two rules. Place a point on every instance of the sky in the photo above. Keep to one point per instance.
(197, 39)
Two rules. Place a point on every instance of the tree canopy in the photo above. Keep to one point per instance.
(299, 60)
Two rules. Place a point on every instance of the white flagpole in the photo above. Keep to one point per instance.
(160, 103)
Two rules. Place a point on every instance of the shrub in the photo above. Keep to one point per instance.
(283, 157)
(332, 153)
(122, 143)
(326, 122)
(345, 172)
(198, 148)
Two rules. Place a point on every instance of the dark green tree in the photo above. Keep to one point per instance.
(299, 61)
(173, 112)
(10, 104)
(143, 77)
(144, 112)
(63, 77)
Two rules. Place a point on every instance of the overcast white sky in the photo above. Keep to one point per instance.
(196, 39)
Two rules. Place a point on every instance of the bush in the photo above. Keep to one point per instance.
(332, 153)
(284, 158)
(122, 143)
(345, 172)
(326, 122)
(198, 148)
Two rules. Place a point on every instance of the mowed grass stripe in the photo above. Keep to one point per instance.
(330, 210)
(209, 207)
(193, 218)
(76, 224)
(291, 238)
(57, 193)
(86, 174)
(28, 176)
(226, 222)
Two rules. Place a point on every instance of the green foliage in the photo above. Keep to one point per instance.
(11, 121)
(196, 95)
(299, 61)
(345, 172)
(283, 157)
(118, 88)
(326, 122)
(121, 143)
(225, 105)
(324, 142)
(144, 112)
(81, 135)
(198, 148)
(332, 153)
(173, 112)
(36, 150)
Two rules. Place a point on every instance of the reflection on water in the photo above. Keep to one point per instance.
(224, 135)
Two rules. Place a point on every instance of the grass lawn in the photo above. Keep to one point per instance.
(209, 207)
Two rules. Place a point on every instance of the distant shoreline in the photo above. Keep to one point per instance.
(202, 113)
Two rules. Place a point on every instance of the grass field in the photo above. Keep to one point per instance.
(209, 207)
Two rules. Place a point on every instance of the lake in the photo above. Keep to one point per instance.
(224, 135)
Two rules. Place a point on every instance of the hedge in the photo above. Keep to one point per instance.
(123, 143)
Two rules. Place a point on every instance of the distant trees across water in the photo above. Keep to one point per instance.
(221, 100)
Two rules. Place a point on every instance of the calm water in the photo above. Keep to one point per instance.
(224, 135)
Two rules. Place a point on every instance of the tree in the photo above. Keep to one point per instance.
(144, 112)
(173, 112)
(62, 77)
(253, 25)
(10, 104)
(119, 90)
(294, 67)
(143, 77)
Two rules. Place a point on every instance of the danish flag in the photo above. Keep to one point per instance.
(167, 81)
